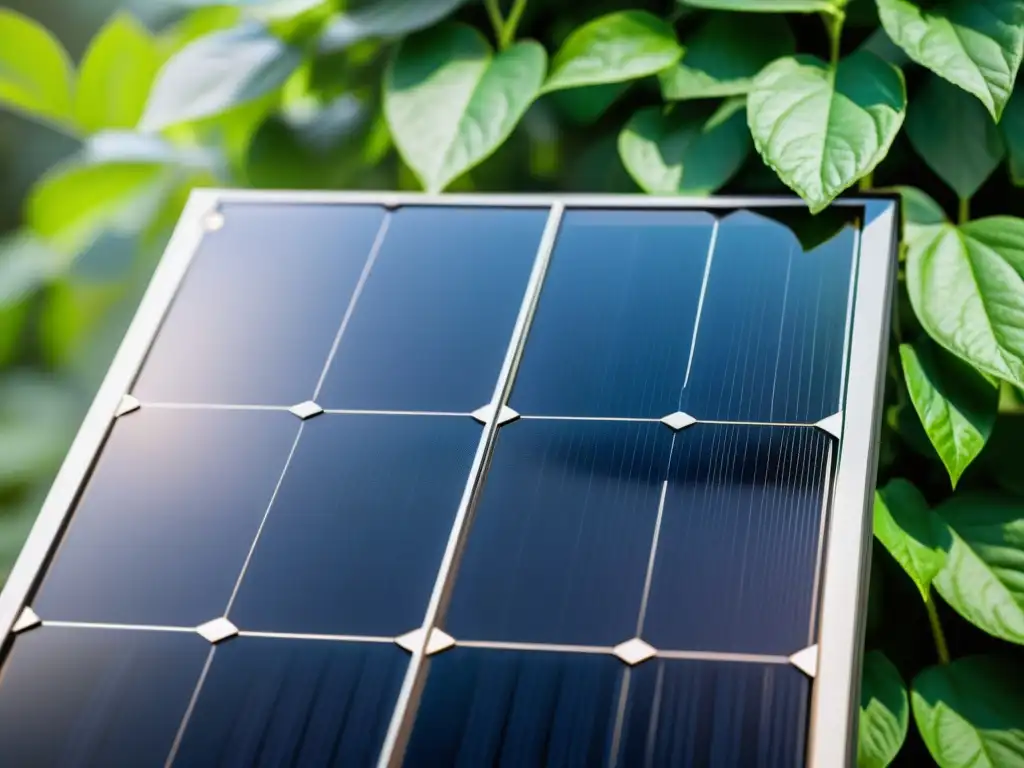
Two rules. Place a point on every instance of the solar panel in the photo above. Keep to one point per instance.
(382, 480)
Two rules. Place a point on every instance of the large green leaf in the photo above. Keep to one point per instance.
(974, 44)
(822, 128)
(1012, 126)
(911, 532)
(689, 151)
(218, 72)
(74, 203)
(36, 75)
(919, 209)
(770, 6)
(939, 118)
(26, 264)
(971, 713)
(383, 18)
(724, 54)
(956, 404)
(983, 578)
(884, 712)
(450, 102)
(117, 72)
(966, 285)
(612, 49)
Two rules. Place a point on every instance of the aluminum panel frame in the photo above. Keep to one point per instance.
(846, 561)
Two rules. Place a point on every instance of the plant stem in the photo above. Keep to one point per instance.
(835, 36)
(512, 23)
(964, 214)
(940, 639)
(867, 182)
(497, 21)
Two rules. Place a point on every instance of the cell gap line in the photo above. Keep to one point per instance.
(700, 301)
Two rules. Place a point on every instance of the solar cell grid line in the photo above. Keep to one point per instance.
(392, 752)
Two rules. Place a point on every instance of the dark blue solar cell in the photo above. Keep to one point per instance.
(86, 698)
(258, 311)
(700, 714)
(612, 332)
(166, 520)
(773, 325)
(270, 703)
(432, 325)
(562, 535)
(506, 709)
(356, 534)
(737, 555)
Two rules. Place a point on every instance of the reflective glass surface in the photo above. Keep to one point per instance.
(700, 714)
(355, 536)
(164, 524)
(87, 698)
(270, 703)
(507, 709)
(430, 330)
(560, 543)
(612, 332)
(738, 549)
(257, 313)
(772, 327)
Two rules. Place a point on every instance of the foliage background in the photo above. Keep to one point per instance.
(107, 121)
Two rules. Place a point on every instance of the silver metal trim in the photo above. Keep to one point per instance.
(678, 420)
(635, 651)
(832, 733)
(217, 630)
(833, 425)
(404, 715)
(831, 738)
(806, 660)
(28, 619)
(128, 405)
(306, 410)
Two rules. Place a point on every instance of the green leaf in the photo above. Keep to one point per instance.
(821, 128)
(939, 118)
(911, 533)
(770, 6)
(37, 418)
(117, 72)
(956, 404)
(971, 713)
(974, 44)
(724, 55)
(26, 264)
(383, 18)
(919, 209)
(450, 102)
(687, 152)
(583, 106)
(966, 285)
(74, 203)
(1012, 126)
(983, 579)
(218, 72)
(621, 46)
(884, 712)
(36, 75)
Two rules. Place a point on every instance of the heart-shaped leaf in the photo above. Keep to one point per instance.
(218, 72)
(383, 18)
(770, 6)
(977, 271)
(612, 49)
(911, 532)
(822, 128)
(36, 75)
(724, 54)
(450, 102)
(938, 119)
(884, 712)
(971, 713)
(983, 579)
(974, 44)
(1012, 126)
(116, 75)
(690, 151)
(956, 404)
